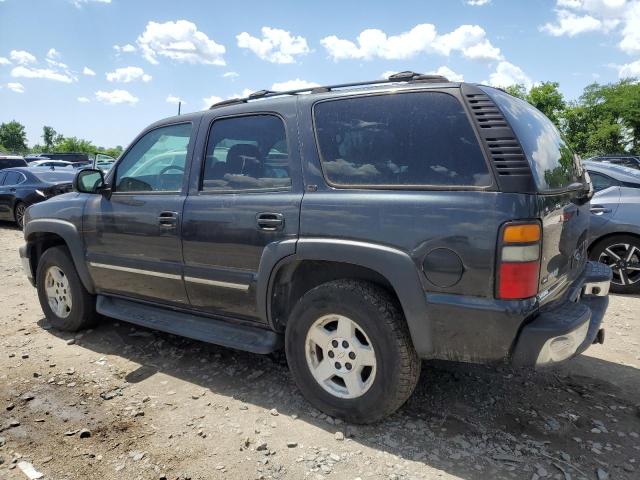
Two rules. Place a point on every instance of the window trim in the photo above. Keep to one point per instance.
(260, 113)
(427, 187)
(113, 172)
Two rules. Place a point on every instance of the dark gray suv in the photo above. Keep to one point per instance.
(362, 227)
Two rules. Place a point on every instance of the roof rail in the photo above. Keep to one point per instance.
(406, 76)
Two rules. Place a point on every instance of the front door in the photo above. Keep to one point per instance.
(245, 199)
(133, 238)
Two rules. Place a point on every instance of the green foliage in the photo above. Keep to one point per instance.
(48, 136)
(517, 90)
(13, 137)
(547, 98)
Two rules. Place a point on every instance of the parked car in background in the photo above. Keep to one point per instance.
(10, 161)
(631, 161)
(103, 162)
(51, 163)
(78, 159)
(24, 186)
(614, 236)
(362, 227)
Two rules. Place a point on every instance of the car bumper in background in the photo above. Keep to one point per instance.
(568, 329)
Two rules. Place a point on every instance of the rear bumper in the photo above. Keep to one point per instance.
(565, 330)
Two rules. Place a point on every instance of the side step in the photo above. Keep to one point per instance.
(240, 337)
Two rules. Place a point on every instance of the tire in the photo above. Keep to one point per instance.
(379, 325)
(76, 307)
(626, 267)
(18, 214)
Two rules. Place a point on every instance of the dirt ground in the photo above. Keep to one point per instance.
(120, 402)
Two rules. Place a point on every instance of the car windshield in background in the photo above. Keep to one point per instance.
(402, 139)
(55, 176)
(553, 163)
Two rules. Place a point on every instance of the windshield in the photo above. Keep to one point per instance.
(552, 162)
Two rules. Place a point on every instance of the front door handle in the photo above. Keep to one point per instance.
(599, 210)
(168, 220)
(270, 221)
(12, 189)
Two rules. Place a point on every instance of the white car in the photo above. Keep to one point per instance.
(51, 163)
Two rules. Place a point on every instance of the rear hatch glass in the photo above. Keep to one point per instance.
(559, 181)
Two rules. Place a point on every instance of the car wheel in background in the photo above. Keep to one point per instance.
(622, 254)
(349, 350)
(18, 214)
(64, 300)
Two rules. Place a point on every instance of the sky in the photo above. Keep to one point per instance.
(104, 69)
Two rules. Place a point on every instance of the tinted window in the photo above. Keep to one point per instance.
(156, 162)
(12, 162)
(247, 153)
(600, 182)
(14, 178)
(553, 163)
(399, 140)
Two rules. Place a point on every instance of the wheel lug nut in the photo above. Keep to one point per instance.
(348, 365)
(345, 344)
(352, 355)
(334, 343)
(338, 366)
(331, 354)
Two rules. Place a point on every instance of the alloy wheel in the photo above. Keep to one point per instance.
(624, 260)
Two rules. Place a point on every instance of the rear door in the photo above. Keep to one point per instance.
(244, 201)
(8, 191)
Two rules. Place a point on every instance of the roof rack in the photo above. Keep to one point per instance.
(406, 76)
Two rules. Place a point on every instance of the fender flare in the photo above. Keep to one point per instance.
(393, 264)
(69, 233)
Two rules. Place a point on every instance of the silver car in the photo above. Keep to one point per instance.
(615, 223)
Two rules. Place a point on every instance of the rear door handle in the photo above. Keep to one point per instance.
(599, 210)
(168, 220)
(12, 189)
(270, 221)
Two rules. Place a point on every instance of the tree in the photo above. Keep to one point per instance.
(13, 137)
(547, 98)
(517, 90)
(49, 137)
(74, 144)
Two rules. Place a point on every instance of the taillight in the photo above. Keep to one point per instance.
(519, 261)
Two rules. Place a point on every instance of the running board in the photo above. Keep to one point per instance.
(210, 330)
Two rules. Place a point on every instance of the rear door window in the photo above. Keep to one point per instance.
(553, 164)
(399, 140)
(14, 178)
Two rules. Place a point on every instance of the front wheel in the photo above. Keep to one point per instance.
(64, 300)
(349, 350)
(622, 254)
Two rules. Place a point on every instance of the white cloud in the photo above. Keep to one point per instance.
(116, 97)
(208, 101)
(470, 40)
(230, 74)
(447, 72)
(128, 48)
(87, 71)
(15, 87)
(79, 3)
(22, 57)
(128, 75)
(629, 70)
(296, 84)
(83, 100)
(4, 61)
(508, 74)
(478, 3)
(275, 46)
(180, 41)
(574, 17)
(53, 54)
(175, 100)
(46, 73)
(55, 63)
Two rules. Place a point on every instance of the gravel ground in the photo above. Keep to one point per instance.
(120, 402)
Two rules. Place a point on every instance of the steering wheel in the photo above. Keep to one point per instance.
(167, 169)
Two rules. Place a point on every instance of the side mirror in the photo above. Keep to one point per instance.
(90, 180)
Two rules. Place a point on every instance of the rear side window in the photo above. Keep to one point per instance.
(14, 178)
(247, 153)
(12, 162)
(399, 140)
(552, 162)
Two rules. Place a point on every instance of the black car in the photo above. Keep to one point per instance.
(362, 227)
(631, 161)
(22, 187)
(11, 161)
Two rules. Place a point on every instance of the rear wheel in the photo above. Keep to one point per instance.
(18, 213)
(63, 298)
(349, 350)
(622, 254)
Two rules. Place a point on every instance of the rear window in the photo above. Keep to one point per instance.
(12, 162)
(55, 176)
(552, 162)
(399, 140)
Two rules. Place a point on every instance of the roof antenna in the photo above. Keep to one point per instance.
(179, 106)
